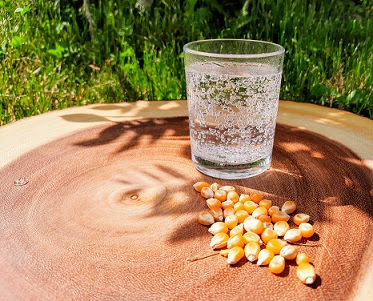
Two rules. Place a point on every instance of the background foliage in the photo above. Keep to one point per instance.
(56, 54)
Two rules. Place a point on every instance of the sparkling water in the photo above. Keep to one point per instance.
(232, 111)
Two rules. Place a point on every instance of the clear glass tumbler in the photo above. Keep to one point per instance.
(233, 90)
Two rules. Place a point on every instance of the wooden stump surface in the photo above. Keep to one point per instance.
(109, 211)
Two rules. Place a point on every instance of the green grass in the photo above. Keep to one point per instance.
(56, 54)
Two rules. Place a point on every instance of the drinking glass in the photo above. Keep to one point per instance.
(233, 88)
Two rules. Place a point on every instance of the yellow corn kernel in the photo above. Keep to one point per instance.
(265, 218)
(306, 230)
(275, 245)
(244, 198)
(256, 197)
(235, 241)
(281, 228)
(221, 195)
(250, 217)
(235, 254)
(233, 196)
(217, 213)
(236, 230)
(264, 257)
(250, 206)
(228, 211)
(306, 273)
(227, 188)
(251, 237)
(280, 216)
(265, 203)
(205, 218)
(231, 221)
(199, 185)
(268, 225)
(253, 225)
(277, 264)
(219, 240)
(213, 203)
(207, 193)
(302, 258)
(218, 227)
(252, 250)
(239, 206)
(214, 187)
(273, 209)
(241, 215)
(267, 235)
(301, 218)
(227, 203)
(224, 252)
(259, 211)
(289, 252)
(293, 235)
(289, 207)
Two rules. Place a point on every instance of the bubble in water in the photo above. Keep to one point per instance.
(232, 109)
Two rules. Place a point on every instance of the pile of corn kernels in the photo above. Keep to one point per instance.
(250, 226)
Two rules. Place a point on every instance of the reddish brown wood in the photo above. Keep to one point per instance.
(110, 213)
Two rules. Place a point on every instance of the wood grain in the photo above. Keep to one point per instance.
(109, 213)
(351, 130)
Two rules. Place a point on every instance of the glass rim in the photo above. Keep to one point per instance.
(187, 49)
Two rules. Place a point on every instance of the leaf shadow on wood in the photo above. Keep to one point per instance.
(316, 172)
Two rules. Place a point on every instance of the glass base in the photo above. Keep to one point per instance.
(231, 172)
